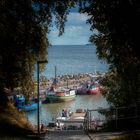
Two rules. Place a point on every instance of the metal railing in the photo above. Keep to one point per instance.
(114, 117)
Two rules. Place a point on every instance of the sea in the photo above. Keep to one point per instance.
(70, 59)
(73, 59)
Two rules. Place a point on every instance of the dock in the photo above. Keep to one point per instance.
(76, 118)
(73, 121)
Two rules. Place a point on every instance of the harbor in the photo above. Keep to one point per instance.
(69, 77)
(55, 101)
(50, 111)
(68, 71)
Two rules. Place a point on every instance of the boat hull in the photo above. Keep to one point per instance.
(89, 89)
(20, 104)
(93, 91)
(88, 92)
(54, 98)
(30, 107)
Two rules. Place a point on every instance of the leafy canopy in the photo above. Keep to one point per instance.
(117, 42)
(24, 26)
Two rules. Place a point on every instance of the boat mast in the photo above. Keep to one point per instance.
(95, 70)
(55, 81)
(55, 72)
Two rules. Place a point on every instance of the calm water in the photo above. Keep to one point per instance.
(48, 111)
(71, 60)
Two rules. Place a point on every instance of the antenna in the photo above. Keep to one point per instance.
(55, 71)
(95, 70)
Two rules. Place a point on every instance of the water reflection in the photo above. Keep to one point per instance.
(48, 111)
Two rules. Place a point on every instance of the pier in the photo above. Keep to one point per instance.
(79, 125)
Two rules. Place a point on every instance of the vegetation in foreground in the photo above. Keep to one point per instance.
(13, 123)
(126, 137)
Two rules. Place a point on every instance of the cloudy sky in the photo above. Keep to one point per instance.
(77, 31)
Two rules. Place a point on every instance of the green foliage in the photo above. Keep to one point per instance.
(117, 42)
(23, 38)
(118, 91)
(22, 41)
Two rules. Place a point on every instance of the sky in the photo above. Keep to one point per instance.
(77, 31)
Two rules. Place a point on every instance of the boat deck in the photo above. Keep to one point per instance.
(74, 121)
(77, 117)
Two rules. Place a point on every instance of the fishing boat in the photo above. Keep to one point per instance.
(20, 103)
(59, 94)
(89, 88)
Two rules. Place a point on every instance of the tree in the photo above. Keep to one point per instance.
(24, 25)
(19, 50)
(117, 42)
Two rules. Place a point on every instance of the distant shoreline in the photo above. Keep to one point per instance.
(72, 45)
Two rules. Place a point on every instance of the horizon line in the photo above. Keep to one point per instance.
(70, 44)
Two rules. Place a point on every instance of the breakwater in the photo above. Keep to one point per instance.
(71, 81)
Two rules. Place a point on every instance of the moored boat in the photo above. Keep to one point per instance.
(94, 89)
(60, 95)
(71, 120)
(20, 103)
(89, 88)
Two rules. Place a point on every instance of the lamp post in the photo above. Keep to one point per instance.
(38, 69)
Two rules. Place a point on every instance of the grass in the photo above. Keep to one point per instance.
(13, 123)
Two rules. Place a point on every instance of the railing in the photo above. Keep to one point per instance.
(102, 118)
(115, 117)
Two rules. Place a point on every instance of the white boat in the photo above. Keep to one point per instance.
(72, 120)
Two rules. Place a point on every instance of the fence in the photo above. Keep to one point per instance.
(114, 118)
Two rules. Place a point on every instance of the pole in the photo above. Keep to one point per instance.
(38, 119)
(55, 72)
(116, 118)
(67, 83)
(55, 77)
(38, 70)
